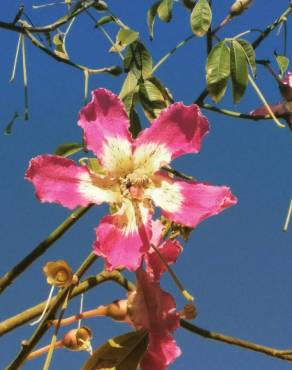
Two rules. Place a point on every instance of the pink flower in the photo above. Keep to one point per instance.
(284, 108)
(132, 180)
(151, 308)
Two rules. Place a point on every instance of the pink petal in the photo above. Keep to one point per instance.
(106, 130)
(161, 352)
(170, 250)
(121, 241)
(189, 203)
(287, 80)
(60, 180)
(178, 130)
(151, 308)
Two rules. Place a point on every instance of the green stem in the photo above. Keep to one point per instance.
(24, 69)
(41, 248)
(176, 280)
(171, 52)
(266, 104)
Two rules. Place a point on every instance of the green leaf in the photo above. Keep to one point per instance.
(60, 50)
(104, 20)
(151, 14)
(201, 18)
(249, 53)
(67, 149)
(94, 165)
(189, 4)
(218, 71)
(164, 10)
(283, 63)
(128, 91)
(152, 99)
(135, 124)
(138, 60)
(238, 68)
(124, 37)
(120, 353)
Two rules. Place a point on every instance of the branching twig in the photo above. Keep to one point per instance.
(40, 249)
(27, 346)
(89, 283)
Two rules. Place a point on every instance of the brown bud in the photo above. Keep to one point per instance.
(189, 312)
(58, 273)
(239, 6)
(78, 339)
(118, 310)
(101, 6)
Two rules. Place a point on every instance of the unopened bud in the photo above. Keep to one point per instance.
(118, 310)
(78, 339)
(101, 6)
(59, 273)
(189, 312)
(286, 87)
(239, 7)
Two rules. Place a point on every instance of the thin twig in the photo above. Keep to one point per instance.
(41, 248)
(274, 352)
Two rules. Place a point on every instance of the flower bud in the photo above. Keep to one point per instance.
(189, 312)
(239, 6)
(58, 273)
(286, 87)
(101, 6)
(78, 339)
(118, 310)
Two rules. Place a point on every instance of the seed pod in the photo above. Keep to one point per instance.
(239, 7)
(78, 339)
(101, 6)
(58, 273)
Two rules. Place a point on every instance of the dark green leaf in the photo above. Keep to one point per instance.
(135, 124)
(201, 18)
(8, 129)
(249, 53)
(151, 14)
(164, 10)
(138, 60)
(120, 353)
(115, 70)
(67, 149)
(128, 91)
(283, 63)
(189, 4)
(238, 68)
(152, 99)
(218, 71)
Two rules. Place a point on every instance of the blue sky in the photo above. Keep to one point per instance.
(237, 264)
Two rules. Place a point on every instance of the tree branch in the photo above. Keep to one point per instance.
(41, 248)
(274, 352)
(50, 27)
(92, 281)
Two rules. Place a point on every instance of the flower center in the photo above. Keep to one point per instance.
(132, 186)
